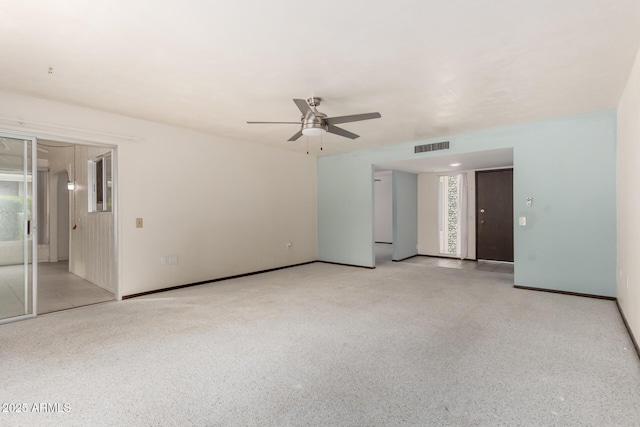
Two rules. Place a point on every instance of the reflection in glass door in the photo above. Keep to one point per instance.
(17, 157)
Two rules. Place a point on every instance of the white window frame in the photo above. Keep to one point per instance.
(104, 183)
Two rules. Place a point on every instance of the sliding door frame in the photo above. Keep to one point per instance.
(31, 270)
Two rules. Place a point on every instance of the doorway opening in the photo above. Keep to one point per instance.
(437, 238)
(383, 216)
(55, 254)
(76, 265)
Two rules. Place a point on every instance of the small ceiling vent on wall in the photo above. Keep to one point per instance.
(4, 146)
(432, 147)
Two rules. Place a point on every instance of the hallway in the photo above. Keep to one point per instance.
(384, 250)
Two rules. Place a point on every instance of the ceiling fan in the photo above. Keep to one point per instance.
(314, 123)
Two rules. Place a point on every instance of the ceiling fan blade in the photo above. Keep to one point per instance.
(304, 107)
(296, 136)
(352, 118)
(341, 132)
(282, 123)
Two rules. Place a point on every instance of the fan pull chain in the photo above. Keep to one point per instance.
(307, 145)
(320, 142)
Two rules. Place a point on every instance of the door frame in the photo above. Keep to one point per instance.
(33, 270)
(476, 206)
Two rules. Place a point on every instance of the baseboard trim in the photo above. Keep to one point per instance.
(347, 265)
(554, 291)
(626, 325)
(404, 259)
(447, 257)
(172, 288)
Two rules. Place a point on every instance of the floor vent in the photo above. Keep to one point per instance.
(432, 147)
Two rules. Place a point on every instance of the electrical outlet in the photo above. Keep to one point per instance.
(138, 222)
(163, 260)
(173, 259)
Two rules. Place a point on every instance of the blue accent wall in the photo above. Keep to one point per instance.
(566, 164)
(405, 215)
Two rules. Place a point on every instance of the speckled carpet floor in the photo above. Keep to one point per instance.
(327, 345)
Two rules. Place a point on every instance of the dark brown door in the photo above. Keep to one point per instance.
(494, 215)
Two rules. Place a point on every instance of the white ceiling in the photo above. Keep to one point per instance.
(431, 68)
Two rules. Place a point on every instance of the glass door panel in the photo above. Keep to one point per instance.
(16, 227)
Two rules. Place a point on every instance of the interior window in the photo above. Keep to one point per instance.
(100, 184)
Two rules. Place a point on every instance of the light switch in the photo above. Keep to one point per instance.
(523, 221)
(138, 222)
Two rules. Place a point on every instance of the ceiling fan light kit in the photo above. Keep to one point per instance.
(315, 123)
(313, 131)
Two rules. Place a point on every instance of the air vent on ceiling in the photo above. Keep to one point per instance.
(432, 147)
(4, 146)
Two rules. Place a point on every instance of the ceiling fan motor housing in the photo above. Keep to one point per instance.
(314, 121)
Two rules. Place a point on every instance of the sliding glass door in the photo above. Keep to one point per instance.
(17, 228)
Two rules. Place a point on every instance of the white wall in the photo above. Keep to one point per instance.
(628, 202)
(428, 233)
(383, 208)
(60, 170)
(224, 207)
(405, 215)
